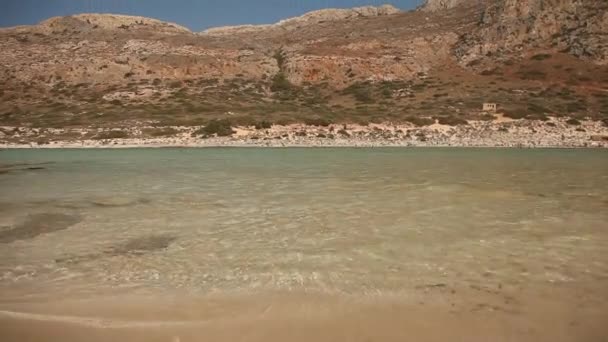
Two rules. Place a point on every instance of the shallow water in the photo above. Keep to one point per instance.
(359, 222)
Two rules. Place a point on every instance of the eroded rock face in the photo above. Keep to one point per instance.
(577, 27)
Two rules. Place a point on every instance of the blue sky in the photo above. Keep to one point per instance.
(194, 14)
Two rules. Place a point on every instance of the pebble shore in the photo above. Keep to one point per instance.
(498, 133)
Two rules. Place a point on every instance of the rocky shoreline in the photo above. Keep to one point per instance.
(502, 132)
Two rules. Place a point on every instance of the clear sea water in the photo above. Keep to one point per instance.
(341, 221)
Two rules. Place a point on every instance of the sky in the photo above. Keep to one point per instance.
(197, 15)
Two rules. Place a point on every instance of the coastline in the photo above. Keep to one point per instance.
(499, 133)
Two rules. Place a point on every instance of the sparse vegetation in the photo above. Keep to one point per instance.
(264, 124)
(573, 122)
(452, 121)
(540, 57)
(317, 122)
(221, 128)
(161, 132)
(532, 74)
(420, 121)
(280, 83)
(362, 92)
(111, 135)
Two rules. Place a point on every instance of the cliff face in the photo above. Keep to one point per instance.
(509, 27)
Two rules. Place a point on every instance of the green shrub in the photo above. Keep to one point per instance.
(490, 72)
(537, 116)
(573, 122)
(317, 122)
(280, 83)
(538, 109)
(263, 124)
(540, 57)
(387, 93)
(532, 75)
(361, 91)
(280, 58)
(363, 95)
(474, 62)
(419, 121)
(575, 107)
(174, 84)
(344, 132)
(452, 120)
(221, 128)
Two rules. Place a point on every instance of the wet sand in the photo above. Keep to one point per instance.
(301, 317)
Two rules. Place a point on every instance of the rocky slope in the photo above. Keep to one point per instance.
(536, 58)
(576, 27)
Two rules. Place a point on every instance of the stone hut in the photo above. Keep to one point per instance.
(490, 107)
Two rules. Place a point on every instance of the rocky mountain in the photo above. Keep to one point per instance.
(537, 58)
(311, 18)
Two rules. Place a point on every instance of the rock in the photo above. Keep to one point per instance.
(506, 26)
(310, 18)
(438, 5)
(109, 22)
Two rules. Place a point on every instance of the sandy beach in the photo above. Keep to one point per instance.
(430, 316)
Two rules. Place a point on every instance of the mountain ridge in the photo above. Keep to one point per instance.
(309, 18)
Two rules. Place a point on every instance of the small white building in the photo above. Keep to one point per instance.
(490, 107)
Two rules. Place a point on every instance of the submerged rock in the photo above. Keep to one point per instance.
(133, 247)
(143, 244)
(38, 224)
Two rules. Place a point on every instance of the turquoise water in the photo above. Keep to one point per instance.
(354, 221)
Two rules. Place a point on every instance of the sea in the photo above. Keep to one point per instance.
(509, 236)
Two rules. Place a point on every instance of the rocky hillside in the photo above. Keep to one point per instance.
(536, 58)
(575, 27)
